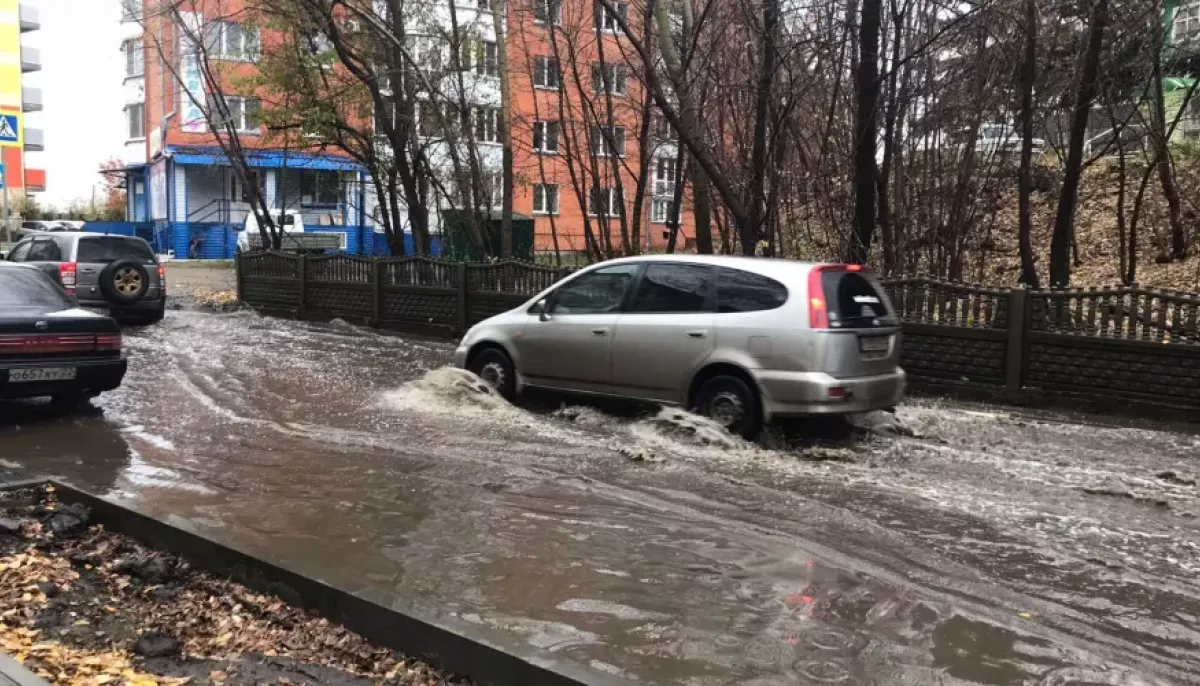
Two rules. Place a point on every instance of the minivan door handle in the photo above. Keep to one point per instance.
(697, 334)
(600, 332)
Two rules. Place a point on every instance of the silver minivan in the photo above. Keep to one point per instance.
(741, 340)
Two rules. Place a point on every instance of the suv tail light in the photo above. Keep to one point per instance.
(162, 280)
(818, 308)
(111, 342)
(66, 274)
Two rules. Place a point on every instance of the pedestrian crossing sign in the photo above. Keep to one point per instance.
(10, 130)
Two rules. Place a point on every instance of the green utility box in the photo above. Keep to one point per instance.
(456, 241)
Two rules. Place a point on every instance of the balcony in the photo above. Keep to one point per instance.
(35, 140)
(30, 19)
(35, 180)
(31, 99)
(31, 59)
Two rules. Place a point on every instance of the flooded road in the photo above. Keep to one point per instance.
(990, 547)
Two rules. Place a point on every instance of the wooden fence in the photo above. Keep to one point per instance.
(1105, 346)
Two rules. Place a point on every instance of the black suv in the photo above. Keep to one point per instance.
(119, 274)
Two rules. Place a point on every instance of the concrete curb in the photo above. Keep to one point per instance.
(489, 657)
(13, 674)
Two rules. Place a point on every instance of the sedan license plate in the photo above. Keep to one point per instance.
(874, 344)
(36, 374)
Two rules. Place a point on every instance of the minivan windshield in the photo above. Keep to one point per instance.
(854, 301)
(106, 249)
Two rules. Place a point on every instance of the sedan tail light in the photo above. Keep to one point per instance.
(48, 344)
(111, 342)
(66, 274)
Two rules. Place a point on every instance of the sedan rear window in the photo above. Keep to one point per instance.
(30, 288)
(105, 249)
(854, 301)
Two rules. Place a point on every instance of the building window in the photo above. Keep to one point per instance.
(315, 43)
(545, 198)
(547, 12)
(243, 113)
(608, 141)
(312, 187)
(545, 137)
(135, 58)
(546, 73)
(660, 127)
(1186, 25)
(231, 41)
(487, 124)
(438, 120)
(664, 176)
(492, 190)
(240, 193)
(609, 78)
(605, 202)
(131, 10)
(486, 58)
(135, 115)
(606, 21)
(660, 212)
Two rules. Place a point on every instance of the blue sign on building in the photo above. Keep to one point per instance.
(10, 129)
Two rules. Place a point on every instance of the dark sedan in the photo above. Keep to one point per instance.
(51, 348)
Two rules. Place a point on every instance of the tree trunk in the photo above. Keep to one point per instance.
(1029, 275)
(1166, 171)
(1064, 222)
(756, 202)
(506, 216)
(865, 131)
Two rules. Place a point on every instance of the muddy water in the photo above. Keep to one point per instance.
(991, 547)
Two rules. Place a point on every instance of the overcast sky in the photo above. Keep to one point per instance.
(80, 80)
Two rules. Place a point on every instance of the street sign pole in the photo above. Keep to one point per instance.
(7, 221)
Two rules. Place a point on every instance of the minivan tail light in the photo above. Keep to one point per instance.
(818, 310)
(66, 275)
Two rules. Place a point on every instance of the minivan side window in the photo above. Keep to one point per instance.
(739, 291)
(19, 253)
(44, 250)
(674, 288)
(597, 292)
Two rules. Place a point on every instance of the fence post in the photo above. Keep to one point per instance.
(303, 282)
(239, 275)
(463, 300)
(377, 303)
(1018, 324)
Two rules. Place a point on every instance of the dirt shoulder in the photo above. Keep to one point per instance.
(205, 284)
(84, 605)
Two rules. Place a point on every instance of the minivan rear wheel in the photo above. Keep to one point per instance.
(497, 371)
(732, 403)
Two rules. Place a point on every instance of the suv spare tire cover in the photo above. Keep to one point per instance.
(124, 269)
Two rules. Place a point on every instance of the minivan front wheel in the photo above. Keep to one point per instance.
(732, 403)
(497, 371)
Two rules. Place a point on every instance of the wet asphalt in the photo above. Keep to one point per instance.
(991, 546)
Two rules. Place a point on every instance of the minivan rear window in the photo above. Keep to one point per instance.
(854, 301)
(105, 249)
